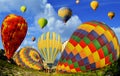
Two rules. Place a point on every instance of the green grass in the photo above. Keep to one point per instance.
(9, 69)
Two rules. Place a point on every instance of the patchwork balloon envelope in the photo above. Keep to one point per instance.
(93, 45)
(29, 57)
(13, 31)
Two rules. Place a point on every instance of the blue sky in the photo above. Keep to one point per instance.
(48, 9)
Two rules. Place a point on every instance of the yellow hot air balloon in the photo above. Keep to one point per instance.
(49, 45)
(94, 5)
(111, 14)
(65, 13)
(23, 8)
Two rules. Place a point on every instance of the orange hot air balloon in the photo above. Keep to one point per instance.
(111, 14)
(13, 31)
(94, 5)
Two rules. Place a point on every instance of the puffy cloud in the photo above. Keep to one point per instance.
(117, 32)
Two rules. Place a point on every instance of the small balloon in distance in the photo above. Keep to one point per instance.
(111, 15)
(42, 22)
(94, 5)
(65, 13)
(33, 38)
(23, 8)
(77, 1)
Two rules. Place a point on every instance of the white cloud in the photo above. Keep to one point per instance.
(117, 32)
(35, 10)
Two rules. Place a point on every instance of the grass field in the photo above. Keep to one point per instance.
(10, 69)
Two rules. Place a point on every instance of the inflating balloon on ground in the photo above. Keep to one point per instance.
(13, 32)
(29, 58)
(92, 46)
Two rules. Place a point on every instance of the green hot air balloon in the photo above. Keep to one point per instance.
(49, 45)
(42, 22)
(23, 8)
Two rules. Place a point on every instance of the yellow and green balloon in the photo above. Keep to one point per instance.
(42, 22)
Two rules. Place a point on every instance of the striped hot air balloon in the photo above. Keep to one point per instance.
(49, 45)
(93, 45)
(29, 57)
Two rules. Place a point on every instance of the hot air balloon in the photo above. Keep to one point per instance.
(65, 13)
(77, 1)
(49, 45)
(111, 14)
(29, 58)
(42, 22)
(13, 32)
(94, 5)
(33, 38)
(23, 8)
(89, 48)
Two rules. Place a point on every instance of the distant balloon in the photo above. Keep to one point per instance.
(23, 8)
(42, 22)
(77, 1)
(65, 13)
(94, 5)
(111, 15)
(29, 58)
(13, 32)
(49, 45)
(33, 38)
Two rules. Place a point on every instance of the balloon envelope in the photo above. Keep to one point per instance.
(89, 48)
(23, 8)
(29, 57)
(42, 22)
(65, 13)
(33, 38)
(94, 5)
(111, 15)
(49, 45)
(13, 32)
(77, 1)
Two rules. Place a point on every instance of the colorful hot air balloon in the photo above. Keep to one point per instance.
(111, 14)
(89, 48)
(49, 45)
(94, 5)
(23, 8)
(65, 13)
(42, 22)
(13, 32)
(29, 57)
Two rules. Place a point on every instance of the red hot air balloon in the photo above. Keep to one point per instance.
(13, 31)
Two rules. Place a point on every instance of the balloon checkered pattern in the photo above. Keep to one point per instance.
(92, 46)
(29, 58)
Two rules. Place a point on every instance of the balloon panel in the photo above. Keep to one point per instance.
(29, 58)
(13, 28)
(89, 48)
